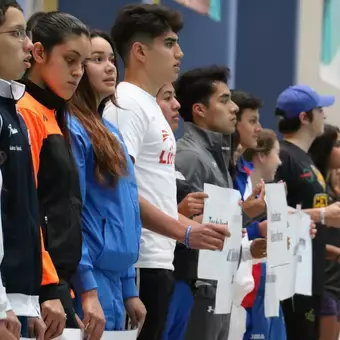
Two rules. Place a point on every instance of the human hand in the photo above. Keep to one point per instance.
(79, 322)
(192, 204)
(208, 236)
(54, 316)
(13, 324)
(136, 311)
(313, 230)
(36, 328)
(94, 318)
(5, 334)
(255, 204)
(332, 215)
(258, 248)
(198, 218)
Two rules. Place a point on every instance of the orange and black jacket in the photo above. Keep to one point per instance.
(58, 188)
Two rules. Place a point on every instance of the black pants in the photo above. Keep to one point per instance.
(302, 317)
(155, 290)
(203, 324)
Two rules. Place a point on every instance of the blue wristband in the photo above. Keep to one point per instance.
(187, 234)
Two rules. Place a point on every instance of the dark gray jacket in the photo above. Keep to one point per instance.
(202, 157)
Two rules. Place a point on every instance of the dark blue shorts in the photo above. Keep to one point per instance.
(330, 306)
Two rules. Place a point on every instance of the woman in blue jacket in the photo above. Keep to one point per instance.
(105, 279)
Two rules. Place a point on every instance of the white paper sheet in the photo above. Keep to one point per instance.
(277, 212)
(76, 334)
(68, 334)
(218, 208)
(123, 335)
(271, 298)
(286, 275)
(224, 291)
(304, 258)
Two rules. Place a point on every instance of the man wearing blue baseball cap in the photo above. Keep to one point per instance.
(301, 121)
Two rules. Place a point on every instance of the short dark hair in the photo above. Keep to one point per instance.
(245, 100)
(290, 125)
(321, 149)
(4, 6)
(142, 22)
(197, 86)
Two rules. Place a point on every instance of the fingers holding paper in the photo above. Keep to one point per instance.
(258, 248)
(255, 205)
(208, 236)
(313, 230)
(136, 311)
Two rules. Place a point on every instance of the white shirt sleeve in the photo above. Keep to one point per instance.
(4, 302)
(131, 121)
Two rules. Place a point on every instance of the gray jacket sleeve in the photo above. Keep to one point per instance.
(193, 169)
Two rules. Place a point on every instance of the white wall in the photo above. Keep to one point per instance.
(309, 53)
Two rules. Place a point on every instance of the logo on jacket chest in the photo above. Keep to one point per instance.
(168, 152)
(14, 145)
(12, 131)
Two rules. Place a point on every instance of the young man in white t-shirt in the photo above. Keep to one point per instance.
(146, 38)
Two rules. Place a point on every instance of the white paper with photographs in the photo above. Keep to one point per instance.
(219, 208)
(304, 269)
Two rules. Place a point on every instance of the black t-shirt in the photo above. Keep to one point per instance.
(332, 268)
(306, 186)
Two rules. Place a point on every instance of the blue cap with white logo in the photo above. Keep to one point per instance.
(301, 98)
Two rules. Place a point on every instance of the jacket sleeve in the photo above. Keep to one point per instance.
(129, 283)
(193, 169)
(4, 302)
(253, 231)
(37, 133)
(83, 280)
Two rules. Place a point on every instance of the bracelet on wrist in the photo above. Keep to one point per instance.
(187, 235)
(322, 216)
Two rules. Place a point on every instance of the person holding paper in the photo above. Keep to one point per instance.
(301, 120)
(190, 204)
(265, 159)
(146, 37)
(204, 156)
(246, 137)
(325, 153)
(105, 278)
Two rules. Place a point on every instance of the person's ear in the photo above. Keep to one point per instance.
(39, 54)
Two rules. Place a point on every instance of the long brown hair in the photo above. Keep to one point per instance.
(109, 156)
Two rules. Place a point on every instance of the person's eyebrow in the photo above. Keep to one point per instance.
(171, 39)
(75, 52)
(225, 96)
(17, 27)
